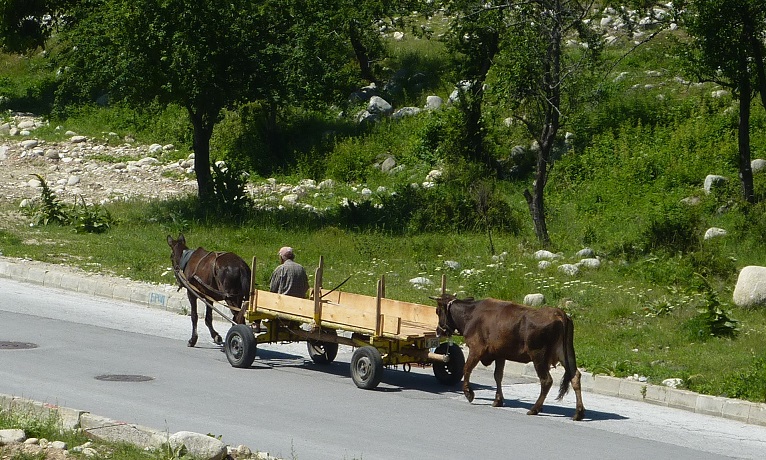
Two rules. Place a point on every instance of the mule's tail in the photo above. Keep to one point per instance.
(570, 363)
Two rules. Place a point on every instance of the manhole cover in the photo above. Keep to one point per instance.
(5, 345)
(124, 378)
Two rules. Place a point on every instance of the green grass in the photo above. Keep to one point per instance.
(616, 332)
(48, 427)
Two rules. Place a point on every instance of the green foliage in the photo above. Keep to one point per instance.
(229, 193)
(350, 162)
(672, 228)
(50, 209)
(749, 383)
(712, 320)
(90, 219)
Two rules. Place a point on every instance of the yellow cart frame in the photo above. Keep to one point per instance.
(384, 332)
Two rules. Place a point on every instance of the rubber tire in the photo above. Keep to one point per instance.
(451, 372)
(322, 352)
(366, 367)
(240, 346)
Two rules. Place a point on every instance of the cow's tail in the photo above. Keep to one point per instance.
(570, 363)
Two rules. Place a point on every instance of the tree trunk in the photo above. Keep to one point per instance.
(203, 131)
(745, 169)
(360, 51)
(537, 205)
(549, 129)
(474, 131)
(745, 95)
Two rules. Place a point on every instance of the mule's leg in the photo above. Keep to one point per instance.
(579, 408)
(499, 367)
(546, 381)
(470, 363)
(237, 313)
(193, 302)
(209, 323)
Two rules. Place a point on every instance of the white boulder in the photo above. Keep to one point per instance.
(750, 290)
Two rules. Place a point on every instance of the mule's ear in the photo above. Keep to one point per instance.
(181, 238)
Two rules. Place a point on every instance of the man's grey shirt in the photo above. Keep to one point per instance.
(290, 278)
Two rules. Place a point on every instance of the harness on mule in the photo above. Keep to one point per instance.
(184, 282)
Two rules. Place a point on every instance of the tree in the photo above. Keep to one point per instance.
(201, 55)
(474, 41)
(27, 24)
(727, 48)
(535, 75)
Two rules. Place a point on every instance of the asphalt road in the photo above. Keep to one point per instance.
(292, 408)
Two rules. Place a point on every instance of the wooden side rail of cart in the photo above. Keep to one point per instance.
(375, 316)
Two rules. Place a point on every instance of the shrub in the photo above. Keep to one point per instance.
(90, 219)
(712, 320)
(229, 193)
(50, 209)
(675, 228)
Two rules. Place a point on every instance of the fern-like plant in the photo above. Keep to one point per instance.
(712, 315)
(50, 209)
(90, 219)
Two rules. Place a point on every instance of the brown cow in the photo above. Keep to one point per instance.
(496, 330)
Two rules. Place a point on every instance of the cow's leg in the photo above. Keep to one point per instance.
(546, 381)
(499, 367)
(470, 363)
(193, 302)
(580, 409)
(209, 323)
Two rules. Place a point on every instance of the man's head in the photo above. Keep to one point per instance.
(286, 253)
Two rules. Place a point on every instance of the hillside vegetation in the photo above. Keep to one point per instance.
(628, 184)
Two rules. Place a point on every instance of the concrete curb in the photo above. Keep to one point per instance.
(92, 425)
(104, 429)
(167, 298)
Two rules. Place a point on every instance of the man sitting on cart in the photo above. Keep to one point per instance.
(289, 278)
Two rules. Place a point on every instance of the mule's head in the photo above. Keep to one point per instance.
(177, 248)
(443, 303)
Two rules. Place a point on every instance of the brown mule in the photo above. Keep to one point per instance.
(223, 276)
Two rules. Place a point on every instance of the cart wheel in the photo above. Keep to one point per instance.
(366, 367)
(240, 346)
(322, 352)
(451, 372)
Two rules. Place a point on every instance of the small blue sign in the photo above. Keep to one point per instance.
(156, 298)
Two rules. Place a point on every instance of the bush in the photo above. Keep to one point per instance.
(675, 228)
(90, 219)
(50, 209)
(229, 193)
(84, 218)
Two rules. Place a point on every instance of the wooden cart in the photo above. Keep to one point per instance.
(383, 331)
